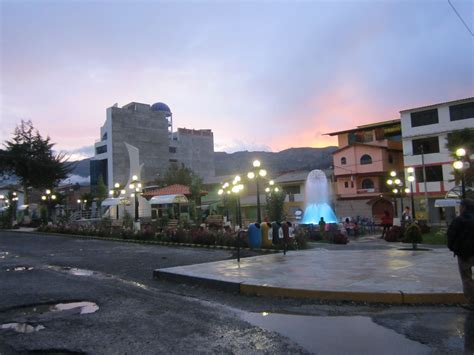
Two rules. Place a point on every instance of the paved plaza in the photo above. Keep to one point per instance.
(388, 274)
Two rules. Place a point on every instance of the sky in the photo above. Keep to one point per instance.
(263, 75)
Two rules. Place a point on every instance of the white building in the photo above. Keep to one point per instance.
(424, 135)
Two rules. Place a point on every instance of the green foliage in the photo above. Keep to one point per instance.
(127, 220)
(274, 207)
(101, 192)
(462, 139)
(6, 219)
(413, 235)
(30, 157)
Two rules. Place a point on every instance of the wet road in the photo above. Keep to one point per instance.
(43, 279)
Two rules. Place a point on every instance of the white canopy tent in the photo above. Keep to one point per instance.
(447, 203)
(168, 199)
(112, 201)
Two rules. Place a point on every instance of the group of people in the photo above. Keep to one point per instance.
(386, 220)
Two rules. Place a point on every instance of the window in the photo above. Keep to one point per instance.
(361, 137)
(365, 159)
(433, 173)
(346, 184)
(292, 190)
(462, 111)
(173, 149)
(390, 159)
(343, 161)
(104, 136)
(352, 184)
(424, 118)
(101, 149)
(367, 184)
(428, 145)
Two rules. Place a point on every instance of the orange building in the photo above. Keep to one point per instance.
(362, 163)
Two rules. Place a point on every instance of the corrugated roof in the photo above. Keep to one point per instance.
(292, 176)
(459, 101)
(366, 126)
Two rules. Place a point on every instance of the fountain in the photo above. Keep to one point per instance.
(316, 199)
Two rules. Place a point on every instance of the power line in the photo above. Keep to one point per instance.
(457, 13)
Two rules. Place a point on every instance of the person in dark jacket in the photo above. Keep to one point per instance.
(461, 242)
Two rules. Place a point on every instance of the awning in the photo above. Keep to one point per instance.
(168, 199)
(111, 201)
(447, 203)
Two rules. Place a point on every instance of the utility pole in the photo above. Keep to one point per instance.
(424, 183)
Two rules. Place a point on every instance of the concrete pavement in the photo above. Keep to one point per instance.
(369, 270)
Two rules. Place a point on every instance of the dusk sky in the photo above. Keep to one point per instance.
(263, 75)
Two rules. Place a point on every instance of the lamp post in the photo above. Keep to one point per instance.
(398, 188)
(256, 174)
(48, 198)
(136, 188)
(115, 193)
(461, 165)
(236, 189)
(224, 191)
(411, 178)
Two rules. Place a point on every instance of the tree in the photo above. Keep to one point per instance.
(30, 157)
(101, 192)
(184, 176)
(275, 201)
(463, 138)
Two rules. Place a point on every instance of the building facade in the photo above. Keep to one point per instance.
(425, 132)
(149, 129)
(364, 158)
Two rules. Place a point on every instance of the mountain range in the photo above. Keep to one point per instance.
(291, 159)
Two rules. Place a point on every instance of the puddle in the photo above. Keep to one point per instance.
(22, 327)
(73, 270)
(20, 268)
(3, 254)
(85, 307)
(337, 335)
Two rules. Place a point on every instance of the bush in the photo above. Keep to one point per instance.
(301, 238)
(413, 235)
(339, 238)
(395, 234)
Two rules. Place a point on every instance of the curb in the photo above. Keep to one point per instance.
(398, 297)
(154, 242)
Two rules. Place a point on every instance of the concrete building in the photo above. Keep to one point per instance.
(425, 131)
(148, 131)
(364, 158)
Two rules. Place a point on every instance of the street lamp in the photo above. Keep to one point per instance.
(136, 188)
(411, 179)
(115, 193)
(397, 186)
(256, 174)
(461, 165)
(48, 198)
(236, 189)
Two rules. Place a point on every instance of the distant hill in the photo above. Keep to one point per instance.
(240, 162)
(286, 160)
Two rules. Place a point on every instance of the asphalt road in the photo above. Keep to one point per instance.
(139, 315)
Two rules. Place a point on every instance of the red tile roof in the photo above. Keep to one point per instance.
(175, 189)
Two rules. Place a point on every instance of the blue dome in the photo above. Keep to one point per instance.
(160, 106)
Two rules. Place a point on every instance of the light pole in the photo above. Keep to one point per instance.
(115, 193)
(136, 187)
(411, 178)
(224, 191)
(398, 188)
(48, 198)
(257, 173)
(236, 189)
(461, 165)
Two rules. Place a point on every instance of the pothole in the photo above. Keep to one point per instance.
(27, 312)
(22, 327)
(20, 268)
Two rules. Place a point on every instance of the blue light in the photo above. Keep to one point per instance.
(314, 212)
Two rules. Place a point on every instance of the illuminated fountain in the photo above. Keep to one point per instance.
(317, 199)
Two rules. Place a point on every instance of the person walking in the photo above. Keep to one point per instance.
(386, 222)
(461, 243)
(406, 217)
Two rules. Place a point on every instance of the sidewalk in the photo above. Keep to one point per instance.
(365, 270)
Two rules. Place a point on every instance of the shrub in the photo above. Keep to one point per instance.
(301, 238)
(339, 238)
(413, 235)
(394, 234)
